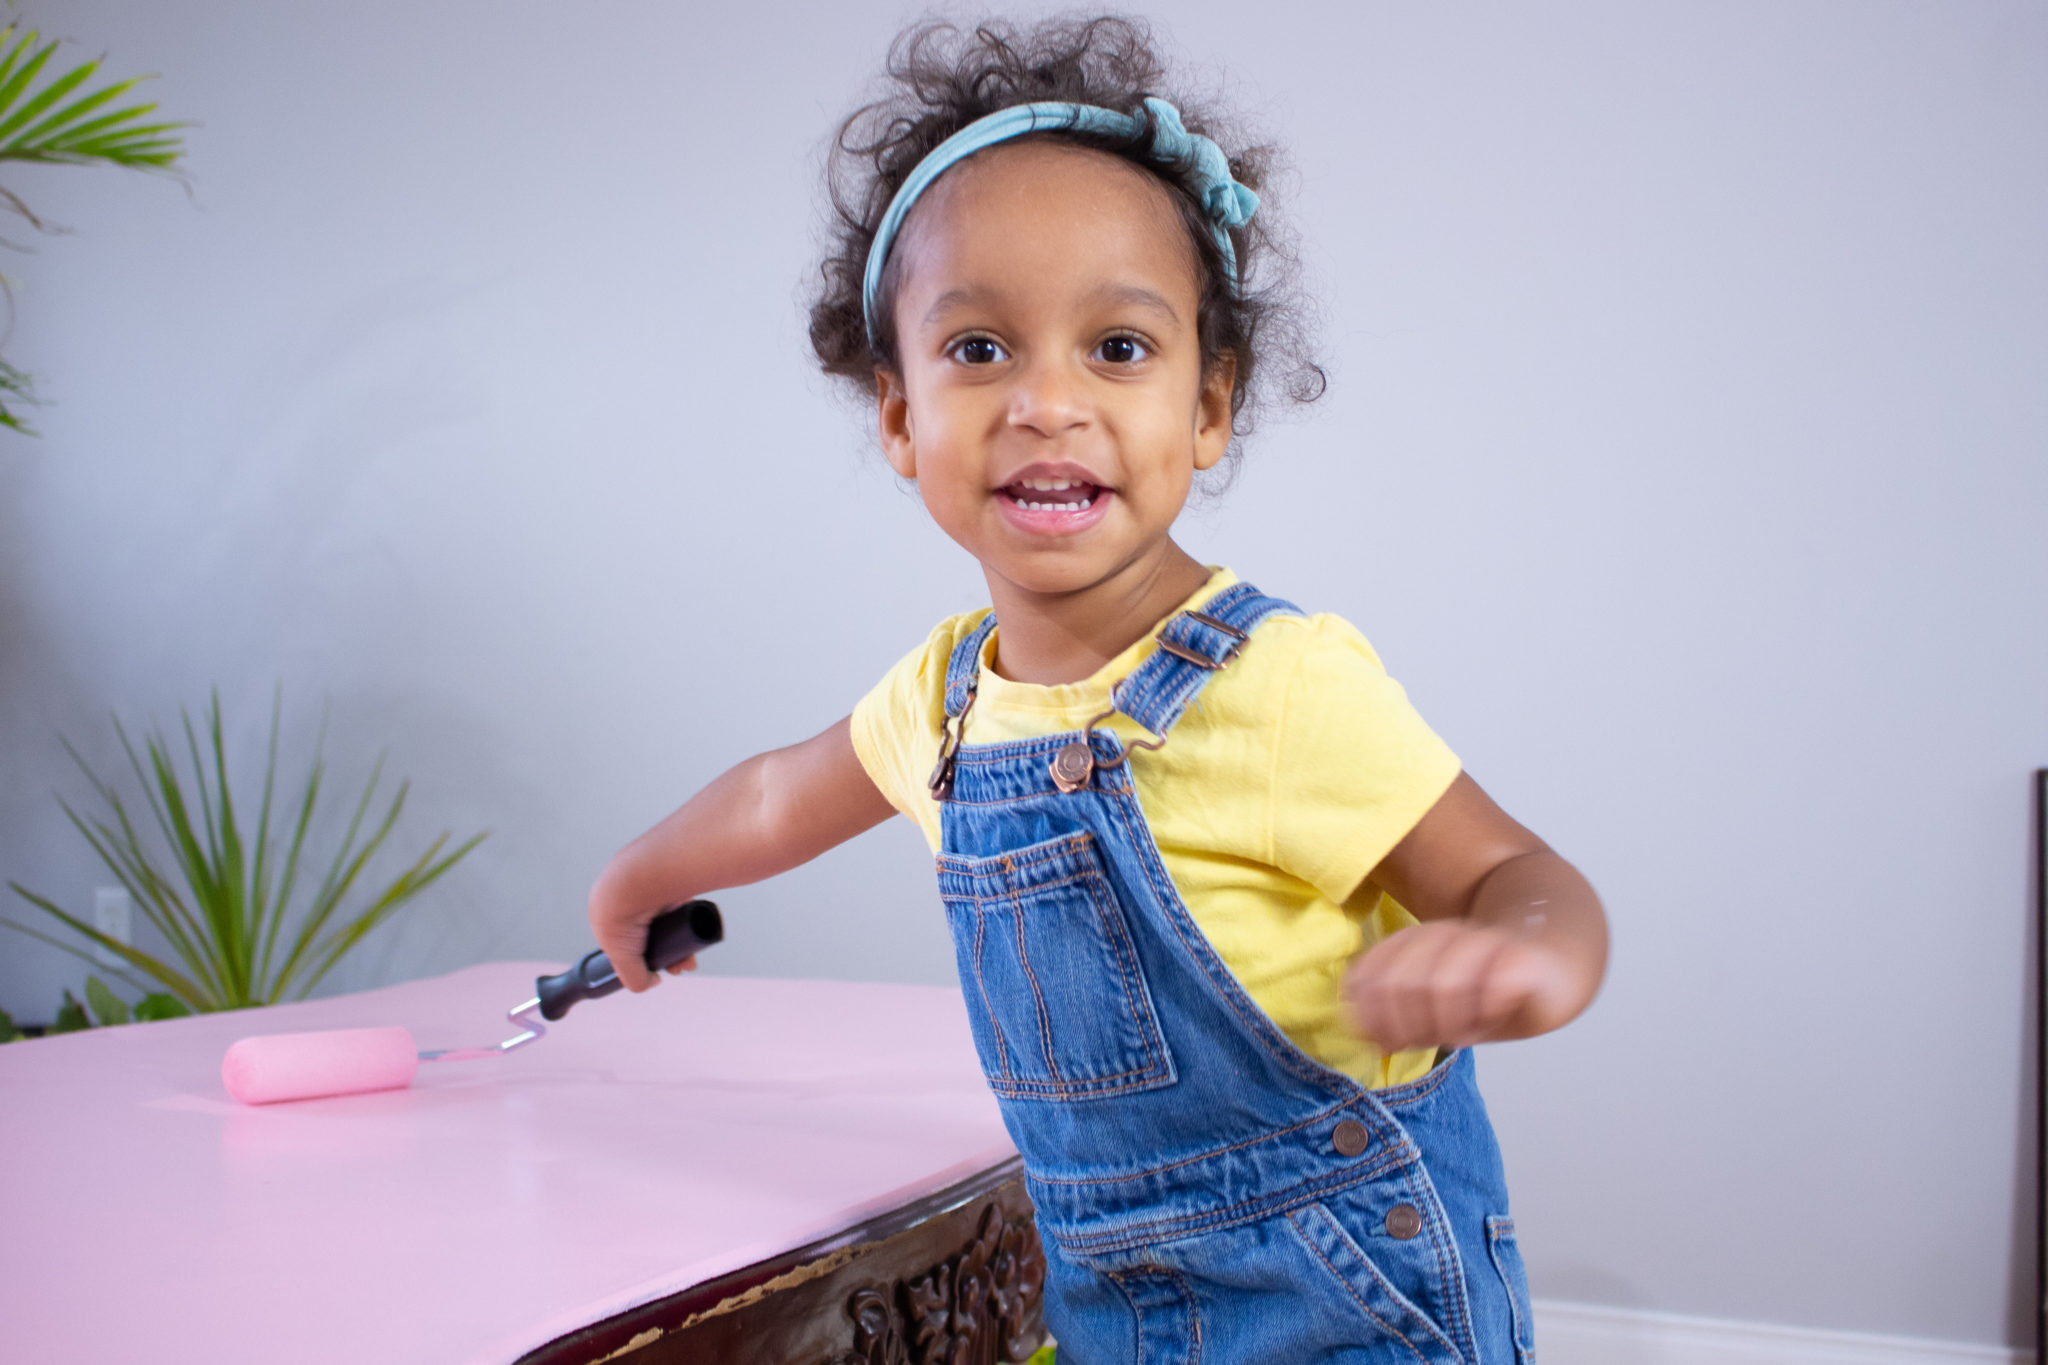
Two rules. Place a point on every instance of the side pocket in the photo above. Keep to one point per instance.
(1507, 1259)
(1362, 1287)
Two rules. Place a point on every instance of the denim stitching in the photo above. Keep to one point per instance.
(1501, 1228)
(1001, 864)
(1350, 1288)
(1095, 884)
(1037, 995)
(978, 899)
(1395, 1148)
(1163, 889)
(1223, 606)
(1147, 1024)
(1212, 1220)
(1137, 1311)
(1187, 1297)
(1126, 966)
(987, 1005)
(1161, 687)
(1092, 1088)
(967, 648)
(1421, 1088)
(1443, 1246)
(1187, 1294)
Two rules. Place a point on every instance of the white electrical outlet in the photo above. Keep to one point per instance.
(112, 915)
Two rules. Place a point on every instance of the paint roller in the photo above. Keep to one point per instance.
(301, 1066)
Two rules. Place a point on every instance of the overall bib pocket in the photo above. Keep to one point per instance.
(1055, 995)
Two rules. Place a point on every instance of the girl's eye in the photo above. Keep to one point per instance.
(1122, 350)
(980, 351)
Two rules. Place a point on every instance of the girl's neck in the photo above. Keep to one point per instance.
(1051, 638)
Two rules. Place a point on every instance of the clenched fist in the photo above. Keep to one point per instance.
(1451, 983)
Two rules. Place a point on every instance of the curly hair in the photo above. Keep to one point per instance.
(942, 78)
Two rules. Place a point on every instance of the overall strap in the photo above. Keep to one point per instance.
(963, 668)
(1193, 645)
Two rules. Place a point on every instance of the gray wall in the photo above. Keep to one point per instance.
(1685, 458)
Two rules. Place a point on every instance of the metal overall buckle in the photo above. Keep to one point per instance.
(1179, 651)
(1073, 767)
(950, 735)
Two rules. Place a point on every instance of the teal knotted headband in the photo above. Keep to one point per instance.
(1225, 203)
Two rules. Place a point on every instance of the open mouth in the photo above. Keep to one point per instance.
(1053, 495)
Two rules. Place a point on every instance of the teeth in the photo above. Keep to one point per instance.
(1052, 485)
(1080, 506)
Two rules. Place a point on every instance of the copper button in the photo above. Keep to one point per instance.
(1350, 1138)
(1071, 766)
(1403, 1221)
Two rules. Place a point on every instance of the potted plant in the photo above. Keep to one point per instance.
(224, 895)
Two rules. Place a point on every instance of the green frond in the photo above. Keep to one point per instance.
(203, 879)
(39, 125)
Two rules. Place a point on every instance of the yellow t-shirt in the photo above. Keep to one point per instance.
(1292, 774)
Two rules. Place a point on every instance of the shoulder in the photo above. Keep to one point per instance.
(1354, 766)
(1289, 654)
(916, 682)
(894, 724)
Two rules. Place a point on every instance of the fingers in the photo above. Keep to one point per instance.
(1441, 984)
(626, 948)
(688, 964)
(622, 934)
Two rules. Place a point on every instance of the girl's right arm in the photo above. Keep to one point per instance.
(765, 816)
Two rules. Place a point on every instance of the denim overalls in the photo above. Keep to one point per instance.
(1204, 1189)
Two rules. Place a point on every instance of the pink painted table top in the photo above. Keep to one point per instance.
(647, 1144)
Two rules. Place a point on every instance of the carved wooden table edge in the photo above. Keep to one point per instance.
(956, 1276)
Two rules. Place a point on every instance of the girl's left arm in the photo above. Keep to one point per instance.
(1512, 943)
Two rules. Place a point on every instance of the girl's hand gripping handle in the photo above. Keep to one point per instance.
(673, 936)
(763, 816)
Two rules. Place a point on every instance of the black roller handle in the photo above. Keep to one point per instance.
(672, 936)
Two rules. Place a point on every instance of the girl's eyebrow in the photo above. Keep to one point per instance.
(1137, 296)
(1127, 295)
(951, 299)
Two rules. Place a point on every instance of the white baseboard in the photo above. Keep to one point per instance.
(1582, 1334)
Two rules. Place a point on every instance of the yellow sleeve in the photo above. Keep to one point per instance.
(1354, 767)
(896, 725)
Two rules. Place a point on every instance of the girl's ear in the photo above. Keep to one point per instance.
(892, 417)
(1212, 412)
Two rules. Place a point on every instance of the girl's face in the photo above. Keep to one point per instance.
(1051, 405)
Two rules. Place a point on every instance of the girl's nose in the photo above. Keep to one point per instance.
(1049, 398)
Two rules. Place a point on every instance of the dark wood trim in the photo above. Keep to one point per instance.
(2040, 841)
(933, 1229)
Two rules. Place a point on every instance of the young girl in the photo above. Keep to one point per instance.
(1227, 914)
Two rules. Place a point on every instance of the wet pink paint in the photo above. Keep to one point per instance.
(645, 1145)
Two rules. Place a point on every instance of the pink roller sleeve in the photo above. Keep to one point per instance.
(299, 1066)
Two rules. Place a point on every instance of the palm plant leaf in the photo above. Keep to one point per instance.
(17, 384)
(185, 988)
(41, 125)
(160, 902)
(341, 874)
(259, 868)
(289, 877)
(168, 797)
(415, 879)
(121, 850)
(211, 898)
